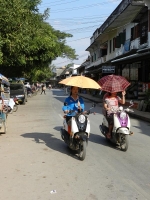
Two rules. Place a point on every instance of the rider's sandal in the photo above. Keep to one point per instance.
(131, 133)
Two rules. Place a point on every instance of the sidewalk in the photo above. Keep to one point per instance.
(145, 116)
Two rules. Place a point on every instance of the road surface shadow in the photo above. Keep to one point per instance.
(145, 132)
(51, 142)
(98, 139)
(58, 128)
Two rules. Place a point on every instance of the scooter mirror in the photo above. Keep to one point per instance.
(131, 102)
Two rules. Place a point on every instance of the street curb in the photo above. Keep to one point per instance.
(139, 117)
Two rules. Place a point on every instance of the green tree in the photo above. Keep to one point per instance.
(40, 75)
(27, 42)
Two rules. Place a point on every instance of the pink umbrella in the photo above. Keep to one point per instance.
(113, 83)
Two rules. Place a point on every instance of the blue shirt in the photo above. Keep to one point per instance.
(73, 105)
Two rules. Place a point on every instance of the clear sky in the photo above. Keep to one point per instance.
(79, 18)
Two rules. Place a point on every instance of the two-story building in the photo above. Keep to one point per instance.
(81, 69)
(122, 46)
(70, 70)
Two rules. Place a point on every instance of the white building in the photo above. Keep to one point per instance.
(122, 44)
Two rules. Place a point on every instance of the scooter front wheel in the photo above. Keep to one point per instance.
(124, 142)
(82, 152)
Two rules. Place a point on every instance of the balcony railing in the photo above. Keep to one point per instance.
(135, 44)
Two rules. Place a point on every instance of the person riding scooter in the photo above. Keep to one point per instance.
(110, 104)
(73, 103)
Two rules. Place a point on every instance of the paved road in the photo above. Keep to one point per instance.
(35, 160)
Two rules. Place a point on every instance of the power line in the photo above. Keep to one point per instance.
(105, 33)
(62, 3)
(79, 39)
(81, 31)
(83, 55)
(71, 9)
(86, 31)
(77, 23)
(72, 60)
(80, 28)
(81, 7)
(73, 1)
(81, 18)
(52, 2)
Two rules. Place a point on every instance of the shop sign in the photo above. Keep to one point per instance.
(108, 69)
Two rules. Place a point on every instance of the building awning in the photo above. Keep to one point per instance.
(132, 58)
(94, 70)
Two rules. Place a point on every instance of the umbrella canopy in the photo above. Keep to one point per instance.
(80, 81)
(4, 80)
(64, 81)
(113, 83)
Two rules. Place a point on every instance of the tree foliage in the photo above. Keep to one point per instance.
(40, 75)
(27, 42)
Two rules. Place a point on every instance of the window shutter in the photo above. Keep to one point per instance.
(122, 37)
(132, 33)
(94, 56)
(114, 44)
(137, 31)
(110, 46)
(118, 41)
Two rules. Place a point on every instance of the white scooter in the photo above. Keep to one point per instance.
(77, 139)
(121, 128)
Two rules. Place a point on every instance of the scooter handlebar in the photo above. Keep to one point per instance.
(120, 110)
(128, 110)
(84, 112)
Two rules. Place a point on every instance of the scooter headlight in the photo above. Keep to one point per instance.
(123, 115)
(81, 118)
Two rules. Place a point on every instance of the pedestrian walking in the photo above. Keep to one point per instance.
(49, 86)
(43, 89)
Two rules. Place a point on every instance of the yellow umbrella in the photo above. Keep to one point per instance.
(80, 81)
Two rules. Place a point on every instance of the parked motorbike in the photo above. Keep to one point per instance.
(29, 92)
(121, 128)
(34, 91)
(6, 107)
(80, 131)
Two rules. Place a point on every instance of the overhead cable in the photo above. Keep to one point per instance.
(81, 7)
